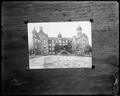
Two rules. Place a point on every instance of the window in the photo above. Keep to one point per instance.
(53, 45)
(44, 45)
(53, 48)
(53, 41)
(59, 41)
(49, 41)
(38, 41)
(44, 41)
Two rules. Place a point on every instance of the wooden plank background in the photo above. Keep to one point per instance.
(105, 46)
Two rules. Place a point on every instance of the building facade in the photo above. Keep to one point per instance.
(57, 41)
(80, 42)
(44, 45)
(40, 42)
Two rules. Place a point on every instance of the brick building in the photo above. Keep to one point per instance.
(80, 42)
(40, 42)
(44, 45)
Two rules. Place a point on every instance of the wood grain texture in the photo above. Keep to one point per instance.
(105, 33)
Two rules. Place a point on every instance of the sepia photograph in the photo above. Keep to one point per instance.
(60, 45)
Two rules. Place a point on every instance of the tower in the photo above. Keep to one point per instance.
(34, 32)
(40, 29)
(42, 42)
(79, 31)
(59, 35)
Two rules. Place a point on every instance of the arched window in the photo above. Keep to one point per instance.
(44, 47)
(44, 41)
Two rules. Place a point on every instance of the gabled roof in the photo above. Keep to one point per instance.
(55, 38)
(67, 38)
(84, 35)
(52, 38)
(41, 31)
(34, 30)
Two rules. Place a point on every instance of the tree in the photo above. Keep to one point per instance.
(30, 51)
(57, 48)
(68, 47)
(88, 49)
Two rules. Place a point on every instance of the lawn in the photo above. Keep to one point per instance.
(58, 61)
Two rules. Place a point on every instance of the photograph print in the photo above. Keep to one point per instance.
(60, 45)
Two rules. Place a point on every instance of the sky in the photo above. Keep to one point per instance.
(67, 29)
